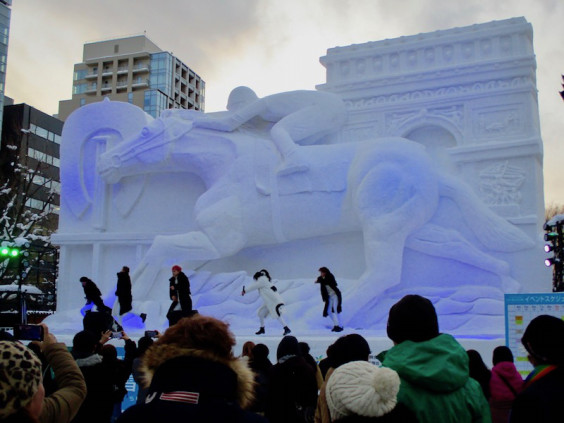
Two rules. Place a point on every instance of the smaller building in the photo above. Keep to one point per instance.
(133, 70)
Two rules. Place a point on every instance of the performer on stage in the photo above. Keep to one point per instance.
(93, 295)
(331, 295)
(273, 302)
(123, 292)
(180, 295)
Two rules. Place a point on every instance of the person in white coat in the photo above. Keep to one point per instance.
(273, 302)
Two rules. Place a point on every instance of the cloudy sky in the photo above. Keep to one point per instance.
(270, 45)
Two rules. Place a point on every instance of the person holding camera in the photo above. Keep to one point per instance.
(98, 374)
(21, 386)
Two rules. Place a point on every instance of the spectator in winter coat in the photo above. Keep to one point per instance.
(273, 304)
(361, 392)
(142, 345)
(346, 349)
(121, 370)
(433, 367)
(22, 396)
(293, 388)
(541, 400)
(304, 348)
(479, 371)
(193, 376)
(261, 366)
(331, 297)
(505, 384)
(98, 374)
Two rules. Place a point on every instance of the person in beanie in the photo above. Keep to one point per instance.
(542, 397)
(361, 392)
(93, 295)
(331, 296)
(505, 384)
(432, 366)
(193, 376)
(273, 302)
(123, 292)
(346, 349)
(22, 395)
(179, 291)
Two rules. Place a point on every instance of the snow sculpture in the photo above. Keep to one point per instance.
(213, 193)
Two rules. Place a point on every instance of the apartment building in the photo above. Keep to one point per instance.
(133, 70)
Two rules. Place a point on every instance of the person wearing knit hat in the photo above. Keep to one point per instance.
(179, 291)
(432, 366)
(360, 389)
(352, 347)
(541, 399)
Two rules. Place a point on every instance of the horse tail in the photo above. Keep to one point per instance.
(493, 231)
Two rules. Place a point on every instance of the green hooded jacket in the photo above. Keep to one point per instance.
(435, 383)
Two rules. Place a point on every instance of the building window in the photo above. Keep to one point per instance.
(80, 74)
(130, 98)
(82, 101)
(116, 48)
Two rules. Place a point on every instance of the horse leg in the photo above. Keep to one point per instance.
(396, 193)
(448, 243)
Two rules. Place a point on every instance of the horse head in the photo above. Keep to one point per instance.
(145, 152)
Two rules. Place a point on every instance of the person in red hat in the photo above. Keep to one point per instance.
(180, 295)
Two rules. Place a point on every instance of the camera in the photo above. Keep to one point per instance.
(151, 333)
(28, 332)
(116, 335)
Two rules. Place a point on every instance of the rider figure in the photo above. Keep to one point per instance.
(301, 117)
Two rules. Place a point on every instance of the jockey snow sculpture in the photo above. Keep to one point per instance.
(388, 188)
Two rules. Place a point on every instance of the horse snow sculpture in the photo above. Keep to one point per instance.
(387, 188)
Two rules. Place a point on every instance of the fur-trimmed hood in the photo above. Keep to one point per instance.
(159, 354)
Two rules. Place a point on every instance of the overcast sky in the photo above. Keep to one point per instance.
(269, 45)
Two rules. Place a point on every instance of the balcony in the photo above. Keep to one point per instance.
(105, 87)
(140, 67)
(121, 85)
(140, 83)
(122, 70)
(91, 88)
(91, 75)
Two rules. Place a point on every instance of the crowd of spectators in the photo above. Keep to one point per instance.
(191, 373)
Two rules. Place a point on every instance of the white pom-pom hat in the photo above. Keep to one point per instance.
(360, 388)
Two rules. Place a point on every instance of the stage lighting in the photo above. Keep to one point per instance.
(550, 261)
(548, 248)
(549, 236)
